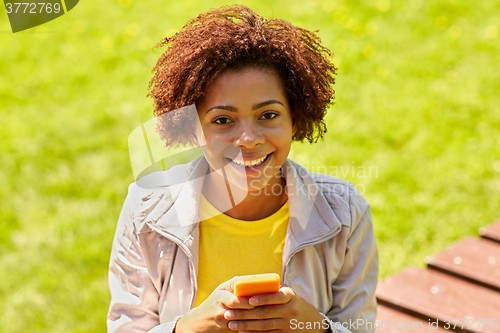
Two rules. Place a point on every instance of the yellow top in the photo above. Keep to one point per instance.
(231, 247)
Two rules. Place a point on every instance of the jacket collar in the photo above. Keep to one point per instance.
(311, 217)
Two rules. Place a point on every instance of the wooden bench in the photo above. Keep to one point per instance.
(459, 291)
(392, 321)
(492, 232)
(476, 260)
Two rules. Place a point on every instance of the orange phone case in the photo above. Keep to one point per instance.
(250, 285)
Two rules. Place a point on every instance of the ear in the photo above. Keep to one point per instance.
(294, 129)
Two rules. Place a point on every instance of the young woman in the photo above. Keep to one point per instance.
(257, 86)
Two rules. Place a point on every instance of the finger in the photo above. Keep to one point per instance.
(256, 325)
(260, 312)
(230, 301)
(281, 297)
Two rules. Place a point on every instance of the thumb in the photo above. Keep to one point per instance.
(226, 293)
(228, 285)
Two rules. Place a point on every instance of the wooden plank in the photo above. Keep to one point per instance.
(394, 321)
(473, 259)
(491, 232)
(432, 294)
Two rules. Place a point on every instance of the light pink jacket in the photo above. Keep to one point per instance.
(329, 258)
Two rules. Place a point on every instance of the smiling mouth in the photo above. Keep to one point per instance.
(253, 163)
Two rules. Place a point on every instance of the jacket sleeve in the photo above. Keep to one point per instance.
(354, 302)
(134, 298)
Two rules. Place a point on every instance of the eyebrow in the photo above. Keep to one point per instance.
(255, 107)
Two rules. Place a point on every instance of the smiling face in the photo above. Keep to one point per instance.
(247, 110)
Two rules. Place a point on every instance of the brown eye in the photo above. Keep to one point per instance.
(222, 121)
(269, 115)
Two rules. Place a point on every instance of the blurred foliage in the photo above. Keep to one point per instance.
(416, 106)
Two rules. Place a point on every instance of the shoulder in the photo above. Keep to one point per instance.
(161, 189)
(343, 197)
(145, 193)
(140, 202)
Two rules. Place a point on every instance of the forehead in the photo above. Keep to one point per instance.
(248, 84)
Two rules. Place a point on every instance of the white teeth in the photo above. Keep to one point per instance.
(250, 163)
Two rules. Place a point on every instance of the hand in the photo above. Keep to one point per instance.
(284, 311)
(209, 315)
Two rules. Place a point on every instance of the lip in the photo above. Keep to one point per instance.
(254, 169)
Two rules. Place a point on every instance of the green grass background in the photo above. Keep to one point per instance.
(416, 99)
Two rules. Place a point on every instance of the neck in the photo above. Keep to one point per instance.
(251, 206)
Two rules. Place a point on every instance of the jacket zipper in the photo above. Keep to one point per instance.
(302, 246)
(191, 264)
(188, 254)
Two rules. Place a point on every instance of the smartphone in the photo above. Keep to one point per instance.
(250, 285)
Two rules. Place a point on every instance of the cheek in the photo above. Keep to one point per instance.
(213, 136)
(282, 140)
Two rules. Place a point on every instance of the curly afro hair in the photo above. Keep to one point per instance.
(232, 38)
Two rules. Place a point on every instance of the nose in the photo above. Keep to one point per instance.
(248, 135)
